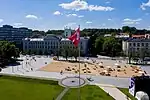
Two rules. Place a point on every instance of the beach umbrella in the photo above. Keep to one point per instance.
(116, 64)
(141, 72)
(100, 64)
(108, 66)
(105, 71)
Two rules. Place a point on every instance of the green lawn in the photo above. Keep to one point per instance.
(126, 92)
(15, 88)
(88, 92)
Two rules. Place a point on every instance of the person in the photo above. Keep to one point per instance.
(31, 69)
(61, 72)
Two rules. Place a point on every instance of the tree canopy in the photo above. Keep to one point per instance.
(7, 51)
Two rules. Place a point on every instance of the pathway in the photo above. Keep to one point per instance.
(113, 91)
(60, 96)
(146, 68)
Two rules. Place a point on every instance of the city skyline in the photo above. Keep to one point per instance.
(56, 14)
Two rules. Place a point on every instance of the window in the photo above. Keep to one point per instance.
(142, 44)
(137, 48)
(146, 44)
(138, 44)
(129, 44)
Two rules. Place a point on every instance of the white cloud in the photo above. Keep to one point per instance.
(80, 16)
(31, 17)
(109, 19)
(145, 5)
(69, 15)
(128, 21)
(57, 13)
(88, 22)
(78, 5)
(132, 20)
(1, 20)
(74, 15)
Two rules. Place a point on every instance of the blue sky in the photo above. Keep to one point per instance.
(55, 14)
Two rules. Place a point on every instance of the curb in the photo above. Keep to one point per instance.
(35, 77)
(105, 85)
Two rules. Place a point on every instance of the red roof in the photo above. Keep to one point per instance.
(138, 36)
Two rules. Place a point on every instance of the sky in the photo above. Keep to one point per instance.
(56, 14)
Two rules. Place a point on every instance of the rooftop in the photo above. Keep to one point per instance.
(137, 40)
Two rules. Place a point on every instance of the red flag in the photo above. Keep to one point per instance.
(75, 38)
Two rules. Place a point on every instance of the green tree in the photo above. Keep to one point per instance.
(126, 29)
(111, 46)
(75, 53)
(99, 45)
(66, 51)
(8, 51)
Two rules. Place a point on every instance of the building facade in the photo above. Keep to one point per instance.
(83, 44)
(46, 45)
(9, 33)
(136, 45)
(67, 32)
(51, 44)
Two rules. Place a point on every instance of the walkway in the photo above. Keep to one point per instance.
(146, 68)
(60, 96)
(113, 91)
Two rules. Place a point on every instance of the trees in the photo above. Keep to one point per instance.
(75, 53)
(56, 32)
(111, 46)
(68, 51)
(7, 51)
(99, 44)
(65, 51)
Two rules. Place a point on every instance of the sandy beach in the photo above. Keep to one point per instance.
(105, 67)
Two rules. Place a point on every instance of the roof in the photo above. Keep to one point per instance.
(65, 39)
(37, 39)
(137, 40)
(34, 39)
(138, 36)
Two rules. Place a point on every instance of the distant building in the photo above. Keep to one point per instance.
(119, 36)
(83, 44)
(48, 44)
(141, 36)
(135, 45)
(51, 43)
(9, 33)
(67, 32)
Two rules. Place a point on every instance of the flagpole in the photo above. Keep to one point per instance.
(79, 69)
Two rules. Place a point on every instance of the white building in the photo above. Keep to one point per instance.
(135, 45)
(48, 44)
(121, 35)
(67, 32)
(83, 44)
(51, 44)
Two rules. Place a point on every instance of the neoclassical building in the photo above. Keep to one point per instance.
(51, 44)
(48, 44)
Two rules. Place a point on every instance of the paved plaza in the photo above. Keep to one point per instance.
(41, 61)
